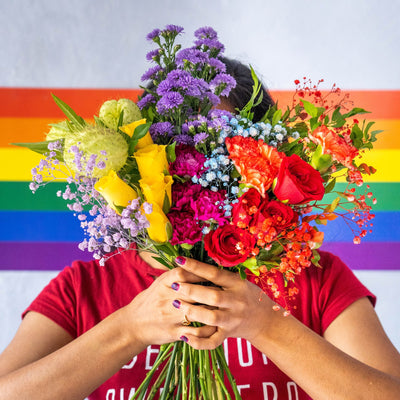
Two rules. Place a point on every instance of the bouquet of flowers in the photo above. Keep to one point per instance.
(175, 175)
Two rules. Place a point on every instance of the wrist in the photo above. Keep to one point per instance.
(129, 331)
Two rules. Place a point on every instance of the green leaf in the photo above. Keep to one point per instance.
(356, 136)
(119, 208)
(42, 148)
(140, 132)
(314, 123)
(355, 111)
(170, 151)
(166, 204)
(373, 135)
(286, 114)
(99, 122)
(310, 108)
(163, 262)
(120, 119)
(330, 186)
(338, 118)
(276, 118)
(242, 274)
(246, 110)
(69, 112)
(316, 257)
(166, 248)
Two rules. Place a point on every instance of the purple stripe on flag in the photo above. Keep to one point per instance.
(367, 255)
(39, 256)
(53, 256)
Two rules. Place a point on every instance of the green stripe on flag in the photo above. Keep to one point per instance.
(17, 196)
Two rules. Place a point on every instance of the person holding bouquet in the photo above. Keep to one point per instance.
(95, 330)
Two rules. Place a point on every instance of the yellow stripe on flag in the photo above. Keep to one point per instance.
(16, 164)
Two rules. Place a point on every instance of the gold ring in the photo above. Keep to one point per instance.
(186, 322)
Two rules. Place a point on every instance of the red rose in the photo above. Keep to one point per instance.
(298, 182)
(229, 245)
(276, 215)
(247, 206)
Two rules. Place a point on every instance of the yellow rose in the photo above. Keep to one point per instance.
(130, 128)
(160, 229)
(151, 160)
(115, 191)
(155, 188)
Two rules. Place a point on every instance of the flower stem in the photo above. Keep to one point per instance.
(221, 360)
(185, 355)
(171, 366)
(222, 390)
(163, 355)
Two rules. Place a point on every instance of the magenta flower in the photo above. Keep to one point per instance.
(209, 206)
(185, 228)
(189, 162)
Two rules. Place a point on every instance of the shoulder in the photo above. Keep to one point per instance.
(326, 291)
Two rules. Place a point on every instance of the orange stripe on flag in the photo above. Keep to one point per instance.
(38, 103)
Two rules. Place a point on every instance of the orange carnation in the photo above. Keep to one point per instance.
(335, 145)
(257, 163)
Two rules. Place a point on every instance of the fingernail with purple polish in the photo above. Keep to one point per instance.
(184, 339)
(180, 260)
(176, 303)
(175, 286)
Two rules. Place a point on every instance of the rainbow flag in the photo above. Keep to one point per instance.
(39, 233)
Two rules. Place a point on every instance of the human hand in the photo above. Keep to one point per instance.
(155, 315)
(237, 307)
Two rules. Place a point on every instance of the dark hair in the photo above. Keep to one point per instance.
(241, 94)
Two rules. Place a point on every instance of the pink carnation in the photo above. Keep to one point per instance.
(185, 228)
(182, 193)
(189, 162)
(208, 205)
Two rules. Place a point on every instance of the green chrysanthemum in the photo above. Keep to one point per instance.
(95, 141)
(110, 112)
(58, 131)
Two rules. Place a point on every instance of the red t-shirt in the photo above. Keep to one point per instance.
(85, 293)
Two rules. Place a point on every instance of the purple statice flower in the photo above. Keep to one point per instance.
(192, 55)
(189, 162)
(217, 64)
(56, 145)
(213, 98)
(146, 101)
(183, 139)
(210, 44)
(200, 138)
(169, 101)
(153, 54)
(216, 113)
(176, 80)
(151, 73)
(173, 29)
(165, 87)
(161, 129)
(153, 34)
(222, 84)
(197, 88)
(205, 32)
